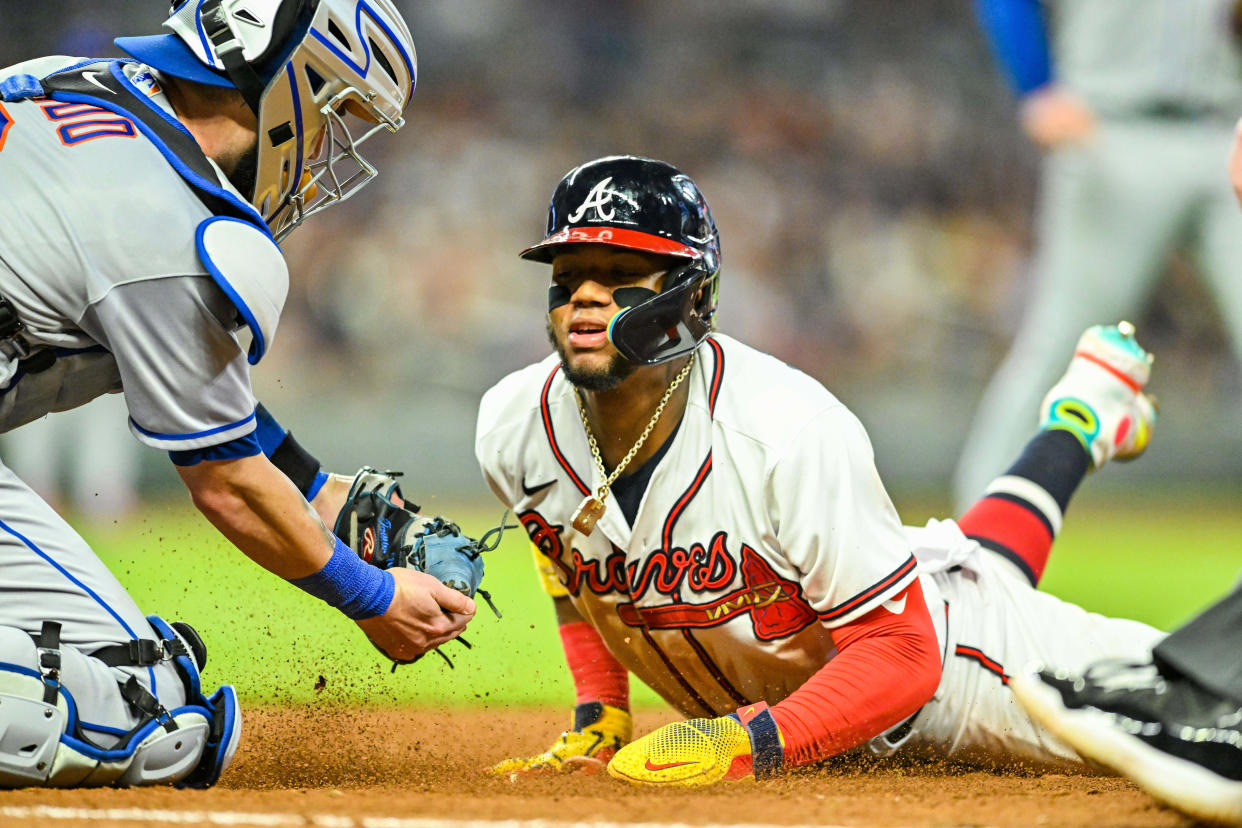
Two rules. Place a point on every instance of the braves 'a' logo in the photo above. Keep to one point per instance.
(600, 200)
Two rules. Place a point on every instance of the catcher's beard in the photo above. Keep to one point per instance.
(606, 379)
(242, 168)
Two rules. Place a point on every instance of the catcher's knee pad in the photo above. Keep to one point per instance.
(43, 743)
(223, 712)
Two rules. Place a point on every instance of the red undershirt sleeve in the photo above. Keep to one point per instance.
(887, 666)
(597, 674)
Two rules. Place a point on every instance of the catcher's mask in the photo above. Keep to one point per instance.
(642, 204)
(300, 65)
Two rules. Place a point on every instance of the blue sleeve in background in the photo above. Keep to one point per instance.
(1016, 31)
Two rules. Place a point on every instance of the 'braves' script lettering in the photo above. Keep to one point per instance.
(701, 568)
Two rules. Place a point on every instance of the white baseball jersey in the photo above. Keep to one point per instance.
(764, 526)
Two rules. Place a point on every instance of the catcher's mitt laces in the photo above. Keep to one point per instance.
(486, 543)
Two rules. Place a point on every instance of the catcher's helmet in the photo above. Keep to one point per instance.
(299, 64)
(647, 205)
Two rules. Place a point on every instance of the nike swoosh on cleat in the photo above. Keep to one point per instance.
(533, 490)
(665, 766)
(90, 78)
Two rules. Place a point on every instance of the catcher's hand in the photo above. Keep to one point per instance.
(599, 731)
(387, 531)
(424, 614)
(704, 751)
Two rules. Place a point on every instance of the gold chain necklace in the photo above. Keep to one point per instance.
(591, 509)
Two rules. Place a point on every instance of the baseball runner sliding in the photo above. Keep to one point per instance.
(711, 520)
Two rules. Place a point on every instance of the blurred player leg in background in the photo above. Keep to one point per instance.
(84, 460)
(1107, 226)
(1135, 127)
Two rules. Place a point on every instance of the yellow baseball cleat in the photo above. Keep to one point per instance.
(703, 751)
(599, 731)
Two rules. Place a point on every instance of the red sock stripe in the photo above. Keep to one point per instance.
(1126, 378)
(1017, 527)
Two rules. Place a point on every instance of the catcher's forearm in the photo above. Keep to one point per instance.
(257, 508)
(330, 498)
(288, 455)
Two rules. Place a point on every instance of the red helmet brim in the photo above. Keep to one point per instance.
(614, 236)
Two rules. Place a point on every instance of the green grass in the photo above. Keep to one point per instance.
(1158, 561)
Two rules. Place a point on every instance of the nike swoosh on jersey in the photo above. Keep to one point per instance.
(533, 490)
(90, 78)
(665, 766)
(896, 607)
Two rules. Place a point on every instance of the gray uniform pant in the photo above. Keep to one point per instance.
(1111, 212)
(48, 573)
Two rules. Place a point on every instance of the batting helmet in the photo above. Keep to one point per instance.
(642, 204)
(300, 65)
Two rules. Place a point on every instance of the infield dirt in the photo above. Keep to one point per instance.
(423, 763)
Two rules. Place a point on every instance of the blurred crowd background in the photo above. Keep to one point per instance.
(863, 161)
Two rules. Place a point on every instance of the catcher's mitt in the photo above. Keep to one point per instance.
(386, 531)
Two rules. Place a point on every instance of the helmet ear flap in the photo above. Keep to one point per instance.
(664, 325)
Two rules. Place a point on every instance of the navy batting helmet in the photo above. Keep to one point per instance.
(650, 206)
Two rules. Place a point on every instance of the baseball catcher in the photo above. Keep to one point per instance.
(143, 204)
(711, 520)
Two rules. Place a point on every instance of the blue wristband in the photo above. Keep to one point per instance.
(766, 748)
(351, 585)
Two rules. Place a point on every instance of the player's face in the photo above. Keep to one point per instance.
(578, 329)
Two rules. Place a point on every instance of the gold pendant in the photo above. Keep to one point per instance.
(588, 513)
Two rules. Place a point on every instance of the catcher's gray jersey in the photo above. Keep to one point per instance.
(100, 255)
